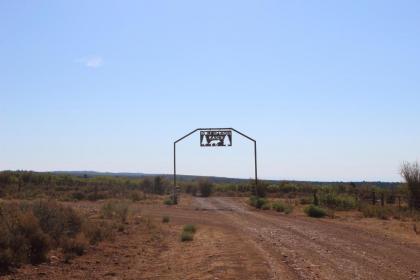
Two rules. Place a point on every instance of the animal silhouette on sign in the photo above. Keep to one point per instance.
(216, 142)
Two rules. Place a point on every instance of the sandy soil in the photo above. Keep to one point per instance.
(234, 241)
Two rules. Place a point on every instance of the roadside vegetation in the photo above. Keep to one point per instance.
(29, 230)
(33, 185)
(372, 200)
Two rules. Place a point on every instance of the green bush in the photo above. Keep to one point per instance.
(257, 202)
(315, 211)
(190, 228)
(187, 236)
(166, 219)
(188, 232)
(278, 206)
(282, 208)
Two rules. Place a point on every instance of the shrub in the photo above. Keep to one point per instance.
(205, 187)
(165, 219)
(411, 174)
(21, 238)
(74, 246)
(158, 186)
(29, 230)
(187, 236)
(279, 206)
(315, 211)
(257, 202)
(96, 231)
(36, 241)
(191, 188)
(190, 228)
(115, 210)
(57, 220)
(136, 196)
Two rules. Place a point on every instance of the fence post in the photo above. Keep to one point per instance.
(399, 202)
(373, 198)
(382, 199)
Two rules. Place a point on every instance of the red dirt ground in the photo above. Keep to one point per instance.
(234, 241)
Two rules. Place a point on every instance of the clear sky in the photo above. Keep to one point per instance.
(330, 89)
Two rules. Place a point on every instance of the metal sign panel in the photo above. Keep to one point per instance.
(216, 138)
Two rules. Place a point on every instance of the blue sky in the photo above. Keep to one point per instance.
(330, 89)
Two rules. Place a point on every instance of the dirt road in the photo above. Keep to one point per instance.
(306, 248)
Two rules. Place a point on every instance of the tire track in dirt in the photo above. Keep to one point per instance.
(314, 249)
(278, 270)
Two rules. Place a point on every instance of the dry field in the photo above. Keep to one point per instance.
(235, 241)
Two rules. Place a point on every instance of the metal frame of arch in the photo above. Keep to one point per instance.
(175, 197)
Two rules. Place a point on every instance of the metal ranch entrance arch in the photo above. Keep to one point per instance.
(214, 137)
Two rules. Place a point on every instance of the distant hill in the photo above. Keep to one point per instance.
(97, 174)
(213, 179)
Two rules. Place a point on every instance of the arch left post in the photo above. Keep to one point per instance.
(174, 189)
